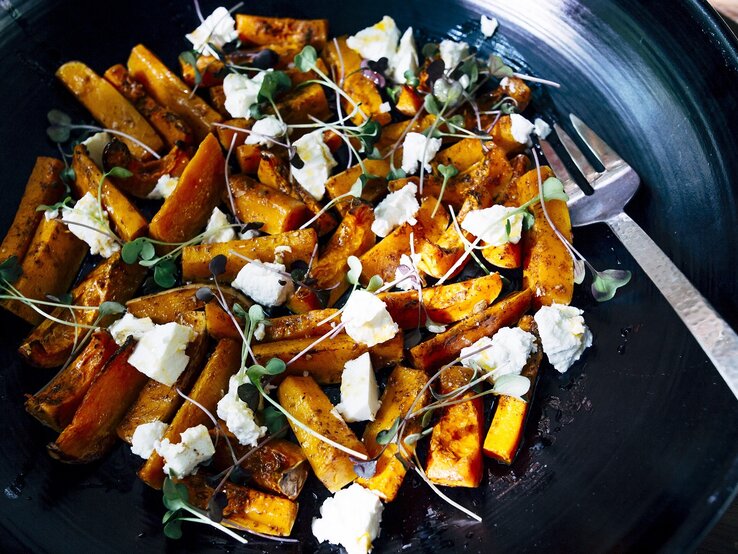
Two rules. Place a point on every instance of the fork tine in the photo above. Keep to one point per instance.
(570, 185)
(606, 155)
(579, 159)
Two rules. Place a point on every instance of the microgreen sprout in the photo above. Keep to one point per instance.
(448, 171)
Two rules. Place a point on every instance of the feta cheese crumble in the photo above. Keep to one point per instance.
(377, 41)
(145, 437)
(452, 53)
(396, 208)
(351, 518)
(506, 354)
(317, 163)
(541, 128)
(367, 319)
(218, 29)
(405, 58)
(164, 187)
(238, 417)
(488, 25)
(520, 128)
(490, 225)
(96, 145)
(130, 326)
(241, 92)
(84, 222)
(160, 353)
(262, 282)
(413, 147)
(359, 390)
(385, 107)
(194, 448)
(265, 130)
(564, 335)
(218, 228)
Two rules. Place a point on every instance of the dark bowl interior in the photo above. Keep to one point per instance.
(636, 448)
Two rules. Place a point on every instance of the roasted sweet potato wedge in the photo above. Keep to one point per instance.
(144, 175)
(306, 402)
(403, 387)
(247, 508)
(169, 91)
(91, 434)
(163, 307)
(43, 187)
(49, 267)
(257, 29)
(51, 343)
(195, 259)
(373, 191)
(109, 107)
(159, 402)
(56, 403)
(187, 210)
(455, 451)
(298, 326)
(255, 201)
(325, 361)
(207, 391)
(444, 347)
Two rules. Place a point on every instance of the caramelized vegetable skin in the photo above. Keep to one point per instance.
(255, 201)
(304, 400)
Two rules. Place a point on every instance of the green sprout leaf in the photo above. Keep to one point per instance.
(426, 419)
(498, 68)
(368, 134)
(354, 271)
(175, 495)
(386, 435)
(256, 314)
(448, 171)
(10, 270)
(173, 529)
(109, 308)
(512, 385)
(249, 394)
(66, 203)
(274, 82)
(430, 50)
(238, 311)
(274, 420)
(375, 283)
(58, 133)
(396, 173)
(164, 272)
(553, 189)
(305, 60)
(58, 117)
(274, 366)
(431, 105)
(189, 57)
(470, 68)
(528, 219)
(606, 283)
(67, 175)
(119, 173)
(131, 251)
(411, 78)
(456, 120)
(393, 93)
(375, 154)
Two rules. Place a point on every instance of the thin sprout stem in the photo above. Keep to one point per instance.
(537, 80)
(231, 200)
(117, 133)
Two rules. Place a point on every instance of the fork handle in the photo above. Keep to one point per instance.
(712, 332)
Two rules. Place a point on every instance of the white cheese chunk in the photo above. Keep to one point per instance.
(416, 149)
(377, 41)
(367, 319)
(452, 53)
(164, 187)
(96, 145)
(249, 234)
(265, 130)
(130, 326)
(262, 282)
(351, 518)
(541, 128)
(490, 225)
(238, 417)
(488, 25)
(218, 228)
(405, 58)
(194, 448)
(564, 335)
(241, 93)
(506, 354)
(385, 107)
(396, 208)
(359, 390)
(520, 128)
(317, 163)
(218, 29)
(160, 353)
(145, 437)
(84, 222)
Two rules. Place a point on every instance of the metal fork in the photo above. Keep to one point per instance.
(613, 188)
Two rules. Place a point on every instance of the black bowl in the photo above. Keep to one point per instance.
(636, 448)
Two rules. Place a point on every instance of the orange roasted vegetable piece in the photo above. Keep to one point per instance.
(43, 187)
(305, 401)
(255, 201)
(444, 347)
(187, 210)
(169, 91)
(506, 430)
(56, 403)
(166, 306)
(455, 451)
(110, 107)
(261, 30)
(91, 434)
